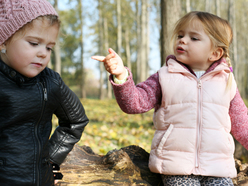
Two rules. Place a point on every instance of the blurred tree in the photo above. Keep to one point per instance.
(143, 45)
(57, 47)
(81, 43)
(207, 6)
(101, 43)
(170, 10)
(217, 7)
(188, 8)
(119, 27)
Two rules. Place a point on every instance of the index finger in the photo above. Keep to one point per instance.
(98, 58)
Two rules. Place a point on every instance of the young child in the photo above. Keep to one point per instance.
(196, 100)
(30, 94)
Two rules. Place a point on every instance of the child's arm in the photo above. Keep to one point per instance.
(131, 99)
(140, 98)
(239, 118)
(72, 120)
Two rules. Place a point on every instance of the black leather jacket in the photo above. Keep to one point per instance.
(26, 109)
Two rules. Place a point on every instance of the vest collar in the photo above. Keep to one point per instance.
(176, 66)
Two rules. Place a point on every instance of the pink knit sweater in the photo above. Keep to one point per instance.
(147, 95)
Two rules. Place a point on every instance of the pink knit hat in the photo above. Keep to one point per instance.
(14, 14)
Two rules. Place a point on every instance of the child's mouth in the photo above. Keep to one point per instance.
(180, 49)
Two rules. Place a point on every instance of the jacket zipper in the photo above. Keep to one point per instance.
(199, 86)
(36, 131)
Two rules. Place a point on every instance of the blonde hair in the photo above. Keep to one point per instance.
(218, 30)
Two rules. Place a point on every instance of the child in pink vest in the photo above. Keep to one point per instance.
(196, 100)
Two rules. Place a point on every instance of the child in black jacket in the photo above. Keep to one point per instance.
(30, 93)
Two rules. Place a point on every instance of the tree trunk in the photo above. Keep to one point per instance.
(128, 53)
(170, 10)
(207, 6)
(119, 28)
(188, 9)
(127, 166)
(233, 47)
(138, 61)
(143, 60)
(147, 39)
(101, 90)
(82, 87)
(57, 47)
(106, 43)
(217, 6)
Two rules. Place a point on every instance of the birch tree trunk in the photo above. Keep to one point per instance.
(147, 39)
(207, 6)
(188, 9)
(233, 48)
(128, 53)
(101, 90)
(143, 60)
(138, 61)
(170, 13)
(119, 28)
(57, 47)
(106, 44)
(82, 87)
(217, 6)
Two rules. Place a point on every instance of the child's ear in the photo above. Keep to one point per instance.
(2, 46)
(216, 54)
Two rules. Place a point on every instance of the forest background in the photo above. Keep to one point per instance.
(139, 31)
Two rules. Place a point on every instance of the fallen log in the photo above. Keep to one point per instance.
(127, 166)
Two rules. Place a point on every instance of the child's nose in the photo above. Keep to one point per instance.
(183, 40)
(43, 52)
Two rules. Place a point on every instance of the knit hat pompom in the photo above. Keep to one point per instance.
(14, 14)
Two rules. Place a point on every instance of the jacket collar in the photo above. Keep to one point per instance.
(211, 68)
(13, 74)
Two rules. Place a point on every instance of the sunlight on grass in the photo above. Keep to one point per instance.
(110, 128)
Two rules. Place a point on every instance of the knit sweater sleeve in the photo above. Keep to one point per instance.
(140, 98)
(239, 119)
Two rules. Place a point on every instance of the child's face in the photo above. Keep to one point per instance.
(193, 47)
(30, 53)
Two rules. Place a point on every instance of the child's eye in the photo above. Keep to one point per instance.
(49, 49)
(194, 39)
(180, 36)
(33, 43)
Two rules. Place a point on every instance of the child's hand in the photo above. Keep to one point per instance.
(113, 64)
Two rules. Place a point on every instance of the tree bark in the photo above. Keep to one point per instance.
(119, 28)
(147, 39)
(207, 6)
(233, 47)
(127, 166)
(101, 89)
(217, 6)
(128, 52)
(188, 8)
(82, 85)
(143, 57)
(57, 47)
(170, 13)
(138, 61)
(106, 44)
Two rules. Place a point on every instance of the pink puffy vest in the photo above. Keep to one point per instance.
(193, 125)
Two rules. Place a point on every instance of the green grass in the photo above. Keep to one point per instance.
(110, 128)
